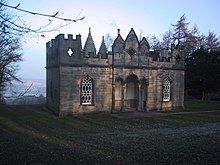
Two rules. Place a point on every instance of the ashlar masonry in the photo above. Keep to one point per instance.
(131, 77)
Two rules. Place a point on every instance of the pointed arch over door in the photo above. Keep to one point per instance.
(132, 92)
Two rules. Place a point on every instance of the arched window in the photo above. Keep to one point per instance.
(87, 91)
(166, 90)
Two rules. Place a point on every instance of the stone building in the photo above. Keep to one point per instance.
(131, 77)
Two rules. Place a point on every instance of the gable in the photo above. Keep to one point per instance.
(131, 41)
(118, 44)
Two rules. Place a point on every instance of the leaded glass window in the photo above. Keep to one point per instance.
(166, 90)
(87, 91)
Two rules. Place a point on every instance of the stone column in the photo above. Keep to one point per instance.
(123, 97)
(139, 100)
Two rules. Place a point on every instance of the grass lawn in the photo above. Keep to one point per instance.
(198, 105)
(32, 135)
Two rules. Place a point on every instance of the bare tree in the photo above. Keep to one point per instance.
(167, 39)
(9, 58)
(108, 41)
(190, 39)
(180, 30)
(211, 42)
(155, 43)
(191, 42)
(16, 25)
(12, 27)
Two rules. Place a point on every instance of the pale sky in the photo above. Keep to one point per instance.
(151, 17)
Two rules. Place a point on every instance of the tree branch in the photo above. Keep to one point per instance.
(42, 14)
(10, 25)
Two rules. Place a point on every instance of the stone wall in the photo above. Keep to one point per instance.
(53, 89)
(137, 80)
(155, 89)
(70, 86)
(155, 78)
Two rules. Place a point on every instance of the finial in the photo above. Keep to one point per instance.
(102, 38)
(89, 30)
(118, 31)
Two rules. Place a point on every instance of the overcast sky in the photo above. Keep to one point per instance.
(151, 17)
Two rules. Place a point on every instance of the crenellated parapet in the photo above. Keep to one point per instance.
(134, 53)
(61, 39)
(61, 50)
(125, 53)
(130, 77)
(68, 51)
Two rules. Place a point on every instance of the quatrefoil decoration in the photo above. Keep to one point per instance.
(131, 51)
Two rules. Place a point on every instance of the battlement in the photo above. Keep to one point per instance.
(65, 49)
(130, 77)
(62, 38)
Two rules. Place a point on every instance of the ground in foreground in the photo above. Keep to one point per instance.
(31, 135)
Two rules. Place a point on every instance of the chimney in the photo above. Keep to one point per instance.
(118, 31)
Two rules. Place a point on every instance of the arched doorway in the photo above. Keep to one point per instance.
(143, 94)
(131, 92)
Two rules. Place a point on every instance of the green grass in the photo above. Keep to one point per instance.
(199, 105)
(32, 135)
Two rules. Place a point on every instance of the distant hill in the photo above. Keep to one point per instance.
(29, 88)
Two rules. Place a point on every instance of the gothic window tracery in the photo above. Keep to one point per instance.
(87, 91)
(166, 90)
